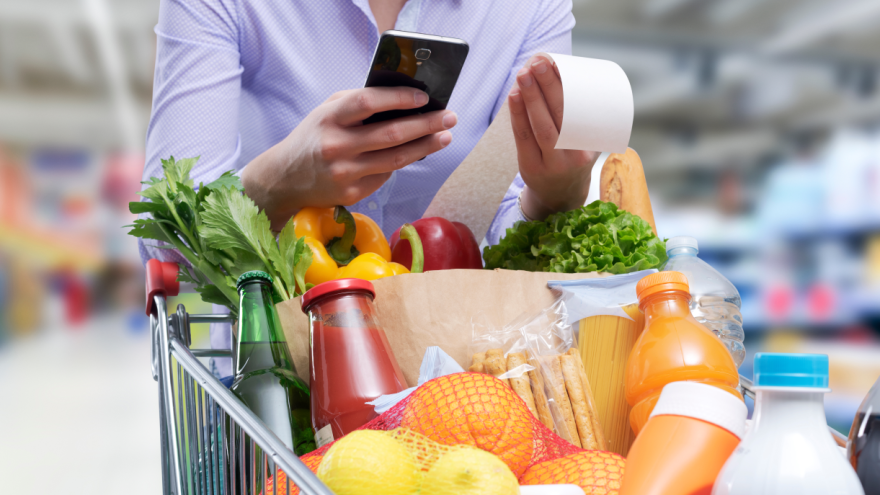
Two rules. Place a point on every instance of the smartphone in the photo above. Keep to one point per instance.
(422, 61)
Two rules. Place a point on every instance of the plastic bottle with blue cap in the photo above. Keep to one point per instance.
(788, 448)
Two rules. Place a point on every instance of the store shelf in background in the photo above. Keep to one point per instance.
(52, 250)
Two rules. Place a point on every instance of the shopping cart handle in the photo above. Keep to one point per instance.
(161, 279)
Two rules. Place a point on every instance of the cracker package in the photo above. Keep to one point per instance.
(536, 356)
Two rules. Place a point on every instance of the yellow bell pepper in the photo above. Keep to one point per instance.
(320, 224)
(346, 245)
(370, 266)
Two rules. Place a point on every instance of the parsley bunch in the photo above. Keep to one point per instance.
(596, 237)
(221, 232)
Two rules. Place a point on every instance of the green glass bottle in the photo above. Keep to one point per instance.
(265, 378)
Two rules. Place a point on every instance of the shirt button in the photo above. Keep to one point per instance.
(372, 205)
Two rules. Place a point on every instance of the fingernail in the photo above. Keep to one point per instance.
(449, 120)
(515, 96)
(540, 67)
(421, 98)
(445, 139)
(525, 80)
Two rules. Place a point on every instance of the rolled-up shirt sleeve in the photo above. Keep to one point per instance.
(196, 91)
(550, 32)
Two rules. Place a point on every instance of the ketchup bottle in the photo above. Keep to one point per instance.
(350, 361)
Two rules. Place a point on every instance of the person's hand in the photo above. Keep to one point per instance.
(331, 159)
(556, 180)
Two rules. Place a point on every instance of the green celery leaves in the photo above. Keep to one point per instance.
(596, 237)
(221, 232)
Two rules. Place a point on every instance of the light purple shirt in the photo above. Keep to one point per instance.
(235, 77)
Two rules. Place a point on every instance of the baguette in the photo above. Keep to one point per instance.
(598, 432)
(496, 366)
(623, 183)
(579, 405)
(520, 384)
(541, 405)
(557, 387)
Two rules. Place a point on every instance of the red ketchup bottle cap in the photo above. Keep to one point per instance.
(339, 285)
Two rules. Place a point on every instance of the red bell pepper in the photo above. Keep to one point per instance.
(447, 245)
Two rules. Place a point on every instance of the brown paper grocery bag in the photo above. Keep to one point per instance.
(436, 308)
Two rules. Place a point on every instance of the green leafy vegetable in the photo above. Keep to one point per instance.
(596, 237)
(221, 232)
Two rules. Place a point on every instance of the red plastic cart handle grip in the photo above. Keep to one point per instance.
(161, 279)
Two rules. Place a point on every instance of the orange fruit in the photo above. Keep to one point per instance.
(311, 461)
(596, 472)
(477, 410)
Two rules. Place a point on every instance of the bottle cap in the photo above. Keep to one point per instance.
(682, 241)
(661, 281)
(703, 402)
(776, 369)
(339, 285)
(252, 275)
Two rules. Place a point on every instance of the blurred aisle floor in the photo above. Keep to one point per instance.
(79, 412)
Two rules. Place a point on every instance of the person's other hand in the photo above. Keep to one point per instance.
(556, 180)
(331, 158)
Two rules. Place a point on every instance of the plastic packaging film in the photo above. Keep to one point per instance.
(597, 116)
(537, 357)
(609, 323)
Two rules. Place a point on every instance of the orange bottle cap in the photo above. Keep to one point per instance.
(661, 281)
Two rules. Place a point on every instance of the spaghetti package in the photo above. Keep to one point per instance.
(604, 315)
(537, 357)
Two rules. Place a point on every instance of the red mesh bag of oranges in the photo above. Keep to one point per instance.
(462, 413)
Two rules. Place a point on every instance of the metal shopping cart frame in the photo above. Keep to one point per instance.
(211, 443)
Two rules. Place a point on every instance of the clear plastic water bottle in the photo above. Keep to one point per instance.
(715, 302)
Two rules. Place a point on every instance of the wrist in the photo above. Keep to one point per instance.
(537, 207)
(260, 183)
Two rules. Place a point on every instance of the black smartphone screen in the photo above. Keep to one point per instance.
(431, 65)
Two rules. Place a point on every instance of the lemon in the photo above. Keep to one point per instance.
(368, 462)
(468, 471)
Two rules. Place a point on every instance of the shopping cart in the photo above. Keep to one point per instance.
(211, 442)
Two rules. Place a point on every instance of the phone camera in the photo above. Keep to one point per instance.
(423, 54)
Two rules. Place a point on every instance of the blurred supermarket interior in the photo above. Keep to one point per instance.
(758, 122)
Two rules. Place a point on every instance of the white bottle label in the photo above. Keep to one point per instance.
(324, 436)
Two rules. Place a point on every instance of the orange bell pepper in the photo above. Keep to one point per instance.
(347, 245)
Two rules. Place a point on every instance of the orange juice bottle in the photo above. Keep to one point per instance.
(692, 432)
(674, 347)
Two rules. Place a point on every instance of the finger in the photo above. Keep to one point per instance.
(389, 160)
(542, 123)
(551, 86)
(527, 148)
(359, 104)
(339, 94)
(389, 134)
(369, 184)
